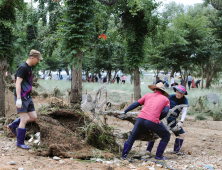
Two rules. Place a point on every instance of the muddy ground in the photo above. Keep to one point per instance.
(202, 147)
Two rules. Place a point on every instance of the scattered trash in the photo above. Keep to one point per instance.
(56, 158)
(12, 163)
(208, 167)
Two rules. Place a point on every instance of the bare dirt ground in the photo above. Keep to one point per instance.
(202, 146)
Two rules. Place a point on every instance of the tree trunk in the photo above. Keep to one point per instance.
(202, 75)
(76, 85)
(136, 89)
(3, 68)
(67, 71)
(210, 75)
(114, 75)
(87, 75)
(172, 72)
(185, 76)
(59, 72)
(131, 78)
(156, 74)
(207, 76)
(109, 75)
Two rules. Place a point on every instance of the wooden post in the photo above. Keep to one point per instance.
(104, 116)
(131, 98)
(68, 97)
(50, 99)
(86, 91)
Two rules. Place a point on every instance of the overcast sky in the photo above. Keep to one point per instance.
(185, 2)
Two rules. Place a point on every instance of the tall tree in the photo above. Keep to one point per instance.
(136, 20)
(76, 30)
(7, 19)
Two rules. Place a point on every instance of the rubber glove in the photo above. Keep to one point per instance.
(19, 103)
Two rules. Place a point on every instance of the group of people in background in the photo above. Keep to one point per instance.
(57, 77)
(190, 81)
(118, 79)
(100, 79)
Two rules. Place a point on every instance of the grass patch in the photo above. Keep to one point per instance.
(200, 117)
(190, 112)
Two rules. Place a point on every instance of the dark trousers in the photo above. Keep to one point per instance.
(189, 83)
(143, 125)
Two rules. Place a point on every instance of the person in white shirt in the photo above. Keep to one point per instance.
(154, 80)
(189, 79)
(165, 78)
(42, 76)
(57, 77)
(172, 81)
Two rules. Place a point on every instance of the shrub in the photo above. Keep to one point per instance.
(45, 95)
(217, 116)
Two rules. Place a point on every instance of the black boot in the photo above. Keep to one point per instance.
(21, 138)
(150, 146)
(177, 145)
(160, 150)
(12, 127)
(127, 147)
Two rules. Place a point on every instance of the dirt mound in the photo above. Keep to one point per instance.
(9, 103)
(61, 135)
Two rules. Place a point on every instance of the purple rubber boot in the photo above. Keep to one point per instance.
(127, 147)
(21, 138)
(12, 127)
(160, 150)
(150, 146)
(177, 145)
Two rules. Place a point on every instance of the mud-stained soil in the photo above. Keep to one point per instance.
(9, 103)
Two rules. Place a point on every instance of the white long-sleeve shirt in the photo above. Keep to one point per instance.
(172, 80)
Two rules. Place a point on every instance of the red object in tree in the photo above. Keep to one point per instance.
(103, 36)
(55, 0)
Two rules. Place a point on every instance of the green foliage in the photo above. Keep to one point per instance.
(138, 20)
(184, 40)
(76, 28)
(7, 21)
(109, 55)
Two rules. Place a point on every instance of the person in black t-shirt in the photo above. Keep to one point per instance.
(96, 78)
(197, 83)
(182, 82)
(158, 80)
(117, 79)
(104, 80)
(24, 103)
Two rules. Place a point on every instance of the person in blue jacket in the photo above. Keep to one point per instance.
(176, 99)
